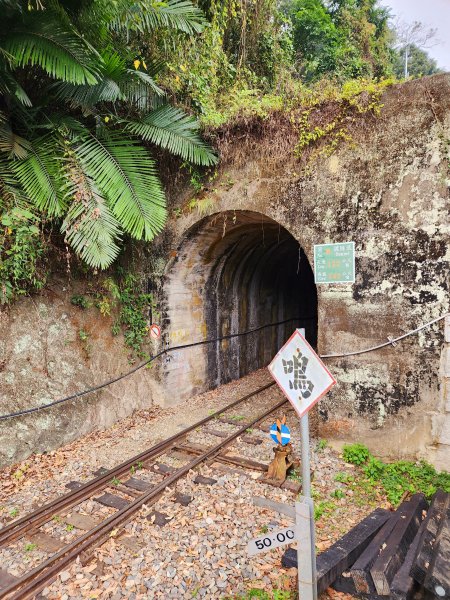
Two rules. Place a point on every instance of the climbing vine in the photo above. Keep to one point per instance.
(121, 297)
(327, 114)
(132, 318)
(22, 249)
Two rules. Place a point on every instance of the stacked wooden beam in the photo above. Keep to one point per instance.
(431, 563)
(404, 555)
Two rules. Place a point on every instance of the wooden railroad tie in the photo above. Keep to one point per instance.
(402, 555)
(224, 457)
(404, 586)
(431, 565)
(360, 571)
(6, 579)
(341, 555)
(397, 544)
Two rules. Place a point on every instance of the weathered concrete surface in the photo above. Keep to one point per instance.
(389, 192)
(441, 420)
(42, 358)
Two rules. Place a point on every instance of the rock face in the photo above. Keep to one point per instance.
(43, 358)
(248, 263)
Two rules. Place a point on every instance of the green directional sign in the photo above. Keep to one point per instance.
(334, 263)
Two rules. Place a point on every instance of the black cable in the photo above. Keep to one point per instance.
(145, 363)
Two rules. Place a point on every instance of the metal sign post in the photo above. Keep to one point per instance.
(304, 379)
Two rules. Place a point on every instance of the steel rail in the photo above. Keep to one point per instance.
(44, 513)
(33, 582)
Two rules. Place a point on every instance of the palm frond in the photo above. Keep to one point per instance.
(11, 143)
(174, 130)
(11, 193)
(87, 96)
(140, 89)
(40, 175)
(10, 87)
(181, 15)
(116, 83)
(90, 227)
(61, 52)
(124, 171)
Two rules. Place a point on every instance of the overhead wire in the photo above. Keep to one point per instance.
(164, 351)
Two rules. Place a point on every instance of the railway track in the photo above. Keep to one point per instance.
(141, 492)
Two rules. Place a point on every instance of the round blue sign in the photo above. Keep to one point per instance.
(284, 434)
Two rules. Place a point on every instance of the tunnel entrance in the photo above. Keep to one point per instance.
(236, 271)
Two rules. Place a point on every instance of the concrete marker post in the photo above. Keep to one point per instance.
(303, 538)
(308, 549)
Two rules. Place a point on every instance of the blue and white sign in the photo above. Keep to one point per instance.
(280, 435)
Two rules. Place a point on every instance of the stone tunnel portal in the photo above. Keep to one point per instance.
(236, 271)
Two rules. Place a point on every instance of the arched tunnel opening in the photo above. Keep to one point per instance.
(260, 276)
(236, 271)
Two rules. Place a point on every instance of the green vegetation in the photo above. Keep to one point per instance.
(345, 38)
(420, 63)
(394, 479)
(84, 336)
(132, 318)
(139, 465)
(338, 494)
(356, 454)
(78, 93)
(30, 547)
(122, 294)
(86, 120)
(22, 263)
(323, 507)
(237, 418)
(14, 512)
(80, 301)
(321, 445)
(294, 474)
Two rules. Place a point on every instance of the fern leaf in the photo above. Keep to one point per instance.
(15, 145)
(174, 130)
(40, 175)
(90, 227)
(10, 190)
(181, 15)
(56, 49)
(124, 171)
(10, 88)
(116, 83)
(140, 89)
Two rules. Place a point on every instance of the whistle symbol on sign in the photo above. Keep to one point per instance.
(297, 367)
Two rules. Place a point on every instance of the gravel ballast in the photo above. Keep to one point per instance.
(199, 550)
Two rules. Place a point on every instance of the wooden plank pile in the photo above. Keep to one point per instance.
(403, 555)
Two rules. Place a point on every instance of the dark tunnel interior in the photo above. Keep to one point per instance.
(259, 275)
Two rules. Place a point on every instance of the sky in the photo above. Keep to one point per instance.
(434, 13)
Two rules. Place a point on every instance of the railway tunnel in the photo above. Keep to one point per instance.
(235, 271)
